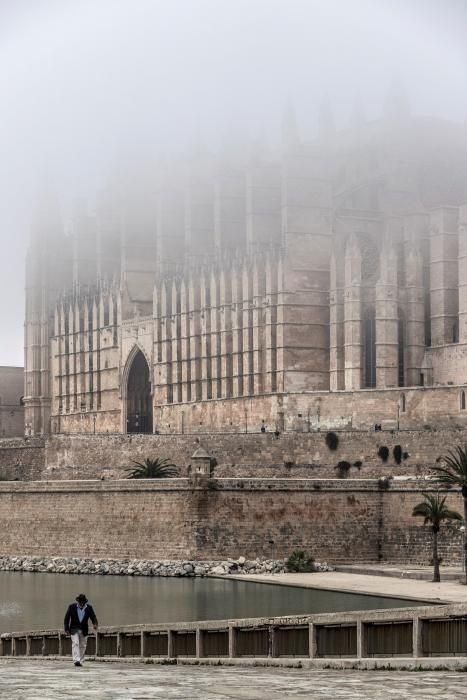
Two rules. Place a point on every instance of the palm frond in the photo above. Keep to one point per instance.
(152, 469)
(434, 510)
(452, 515)
(454, 468)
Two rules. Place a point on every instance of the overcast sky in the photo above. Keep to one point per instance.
(85, 82)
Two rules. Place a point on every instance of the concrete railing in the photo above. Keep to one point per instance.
(403, 632)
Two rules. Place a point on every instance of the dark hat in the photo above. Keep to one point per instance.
(81, 598)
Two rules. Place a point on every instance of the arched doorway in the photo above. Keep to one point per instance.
(138, 398)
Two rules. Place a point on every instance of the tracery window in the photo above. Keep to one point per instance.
(369, 346)
(401, 348)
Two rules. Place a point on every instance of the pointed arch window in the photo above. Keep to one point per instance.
(369, 347)
(402, 403)
(139, 399)
(462, 400)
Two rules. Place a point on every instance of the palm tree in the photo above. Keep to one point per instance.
(434, 511)
(153, 469)
(454, 473)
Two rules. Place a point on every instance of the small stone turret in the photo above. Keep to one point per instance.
(201, 462)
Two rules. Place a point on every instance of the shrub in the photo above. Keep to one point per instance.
(357, 464)
(332, 441)
(383, 453)
(300, 562)
(405, 455)
(397, 454)
(343, 468)
(384, 483)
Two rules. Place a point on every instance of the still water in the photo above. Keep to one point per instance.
(38, 600)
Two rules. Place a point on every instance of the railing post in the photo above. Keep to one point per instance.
(143, 644)
(60, 635)
(313, 640)
(232, 642)
(98, 636)
(28, 645)
(170, 644)
(361, 640)
(119, 644)
(272, 641)
(199, 643)
(417, 648)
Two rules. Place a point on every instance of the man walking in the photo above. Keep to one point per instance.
(76, 624)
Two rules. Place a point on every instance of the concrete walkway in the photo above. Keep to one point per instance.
(55, 680)
(421, 573)
(446, 591)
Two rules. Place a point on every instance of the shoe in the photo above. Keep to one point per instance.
(77, 663)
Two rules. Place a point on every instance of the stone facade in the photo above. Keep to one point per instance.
(336, 521)
(11, 402)
(321, 281)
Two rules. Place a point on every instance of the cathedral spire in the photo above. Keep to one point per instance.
(258, 146)
(326, 125)
(396, 106)
(357, 117)
(290, 134)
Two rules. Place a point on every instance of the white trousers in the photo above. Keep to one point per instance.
(78, 646)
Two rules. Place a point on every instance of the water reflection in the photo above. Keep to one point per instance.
(38, 600)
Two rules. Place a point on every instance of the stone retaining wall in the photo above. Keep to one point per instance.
(338, 521)
(258, 455)
(22, 458)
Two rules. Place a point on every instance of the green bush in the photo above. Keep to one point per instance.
(300, 562)
(332, 441)
(397, 453)
(384, 483)
(343, 468)
(383, 453)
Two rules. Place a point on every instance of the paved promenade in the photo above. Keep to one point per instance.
(56, 680)
(446, 591)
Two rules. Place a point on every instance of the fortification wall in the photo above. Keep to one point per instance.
(353, 521)
(252, 455)
(291, 454)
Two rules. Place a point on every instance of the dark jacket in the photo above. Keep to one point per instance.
(72, 623)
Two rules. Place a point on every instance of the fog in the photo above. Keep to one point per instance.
(87, 84)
